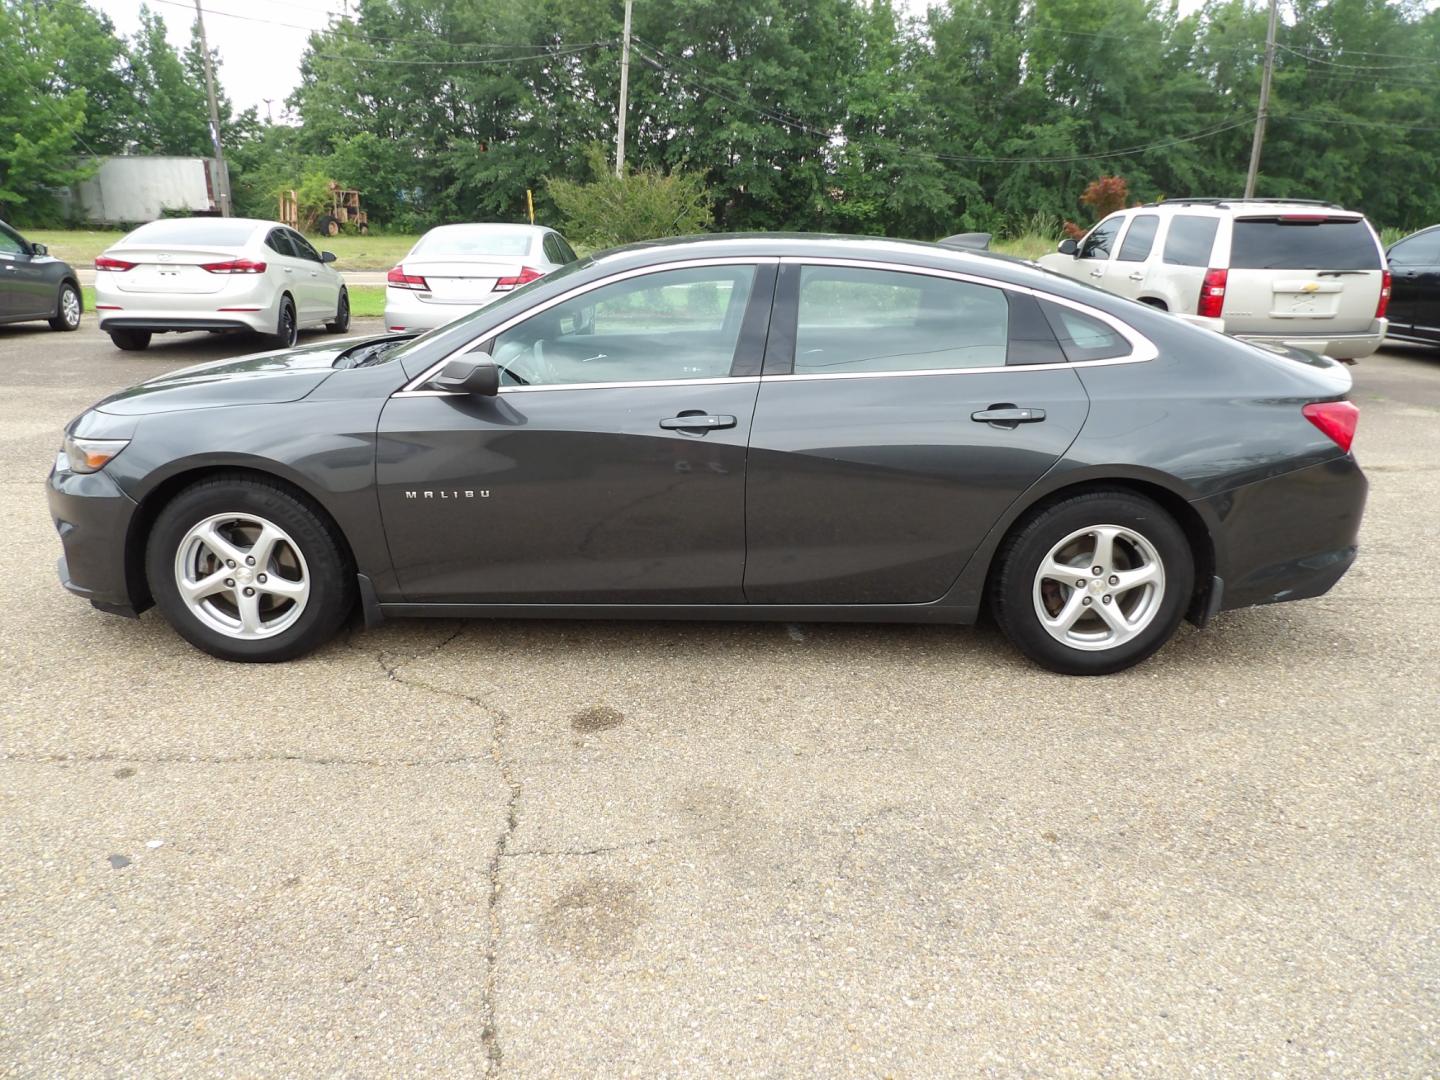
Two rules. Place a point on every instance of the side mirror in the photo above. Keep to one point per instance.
(327, 256)
(39, 249)
(1068, 246)
(474, 374)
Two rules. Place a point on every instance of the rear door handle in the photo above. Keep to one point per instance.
(1137, 277)
(697, 422)
(1008, 415)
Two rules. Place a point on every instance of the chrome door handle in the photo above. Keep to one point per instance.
(1098, 273)
(696, 422)
(1008, 415)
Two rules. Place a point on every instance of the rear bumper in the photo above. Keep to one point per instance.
(1338, 346)
(1289, 537)
(92, 516)
(182, 326)
(404, 310)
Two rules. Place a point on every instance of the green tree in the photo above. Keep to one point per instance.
(174, 117)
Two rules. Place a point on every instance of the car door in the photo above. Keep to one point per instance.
(24, 281)
(319, 283)
(900, 414)
(1415, 285)
(610, 468)
(1127, 272)
(1092, 261)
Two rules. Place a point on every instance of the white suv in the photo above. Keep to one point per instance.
(1296, 273)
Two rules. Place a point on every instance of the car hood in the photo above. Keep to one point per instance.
(261, 379)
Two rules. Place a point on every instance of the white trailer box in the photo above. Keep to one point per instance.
(132, 190)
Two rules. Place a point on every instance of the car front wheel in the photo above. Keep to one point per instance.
(341, 322)
(67, 310)
(248, 570)
(1094, 584)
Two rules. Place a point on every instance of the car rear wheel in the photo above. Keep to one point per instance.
(341, 322)
(131, 340)
(1094, 584)
(67, 311)
(248, 570)
(287, 330)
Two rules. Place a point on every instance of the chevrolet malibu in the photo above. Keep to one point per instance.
(766, 427)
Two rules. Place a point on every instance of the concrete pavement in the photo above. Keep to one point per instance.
(561, 849)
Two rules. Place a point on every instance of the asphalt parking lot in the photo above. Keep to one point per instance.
(566, 849)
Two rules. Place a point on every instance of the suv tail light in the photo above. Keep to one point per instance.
(1336, 419)
(1212, 294)
(527, 274)
(234, 266)
(1384, 304)
(399, 279)
(119, 266)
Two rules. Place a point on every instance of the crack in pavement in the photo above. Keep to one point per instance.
(650, 842)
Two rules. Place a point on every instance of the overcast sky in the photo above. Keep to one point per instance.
(260, 49)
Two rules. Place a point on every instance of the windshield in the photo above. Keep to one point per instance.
(192, 231)
(462, 241)
(1303, 243)
(457, 333)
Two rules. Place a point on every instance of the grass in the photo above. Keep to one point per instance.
(1029, 246)
(366, 301)
(79, 247)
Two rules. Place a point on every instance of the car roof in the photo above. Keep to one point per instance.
(488, 226)
(1250, 207)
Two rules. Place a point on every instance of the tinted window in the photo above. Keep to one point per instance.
(1278, 244)
(566, 250)
(1190, 239)
(552, 249)
(1082, 336)
(1139, 239)
(880, 320)
(1422, 249)
(10, 242)
(677, 324)
(193, 231)
(279, 242)
(450, 241)
(302, 246)
(1097, 244)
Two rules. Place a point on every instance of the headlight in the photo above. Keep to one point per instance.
(91, 455)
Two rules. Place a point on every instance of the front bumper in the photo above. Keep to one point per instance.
(1336, 346)
(1289, 537)
(405, 310)
(93, 516)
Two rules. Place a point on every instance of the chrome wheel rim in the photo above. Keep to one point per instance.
(242, 576)
(1099, 587)
(70, 307)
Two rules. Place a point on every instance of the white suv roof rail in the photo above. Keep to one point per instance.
(1222, 203)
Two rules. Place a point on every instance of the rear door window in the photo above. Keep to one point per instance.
(279, 243)
(1422, 249)
(1140, 239)
(1189, 240)
(1303, 242)
(858, 320)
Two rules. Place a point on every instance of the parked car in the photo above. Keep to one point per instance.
(1415, 299)
(454, 269)
(217, 274)
(1304, 274)
(753, 427)
(35, 285)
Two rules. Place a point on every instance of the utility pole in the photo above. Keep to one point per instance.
(223, 176)
(1263, 112)
(269, 113)
(624, 93)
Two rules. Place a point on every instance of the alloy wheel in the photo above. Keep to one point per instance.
(242, 576)
(1099, 587)
(70, 307)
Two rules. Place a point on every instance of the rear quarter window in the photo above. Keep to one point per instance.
(1303, 243)
(1084, 337)
(1190, 239)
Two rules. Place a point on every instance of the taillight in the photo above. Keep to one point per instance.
(1384, 304)
(1336, 419)
(527, 274)
(119, 266)
(399, 279)
(234, 266)
(1212, 294)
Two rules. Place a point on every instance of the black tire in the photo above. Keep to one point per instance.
(287, 328)
(67, 309)
(1015, 583)
(341, 322)
(131, 340)
(331, 575)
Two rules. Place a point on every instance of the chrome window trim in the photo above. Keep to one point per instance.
(727, 380)
(411, 388)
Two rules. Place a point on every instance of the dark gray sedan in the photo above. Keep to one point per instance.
(35, 285)
(751, 427)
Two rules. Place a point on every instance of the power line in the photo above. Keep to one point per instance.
(1356, 67)
(1357, 123)
(493, 62)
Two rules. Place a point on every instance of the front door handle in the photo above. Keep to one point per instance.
(697, 422)
(1137, 277)
(1098, 273)
(1007, 415)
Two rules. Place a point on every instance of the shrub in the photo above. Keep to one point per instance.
(1106, 195)
(644, 204)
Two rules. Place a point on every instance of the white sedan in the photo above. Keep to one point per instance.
(184, 274)
(454, 269)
